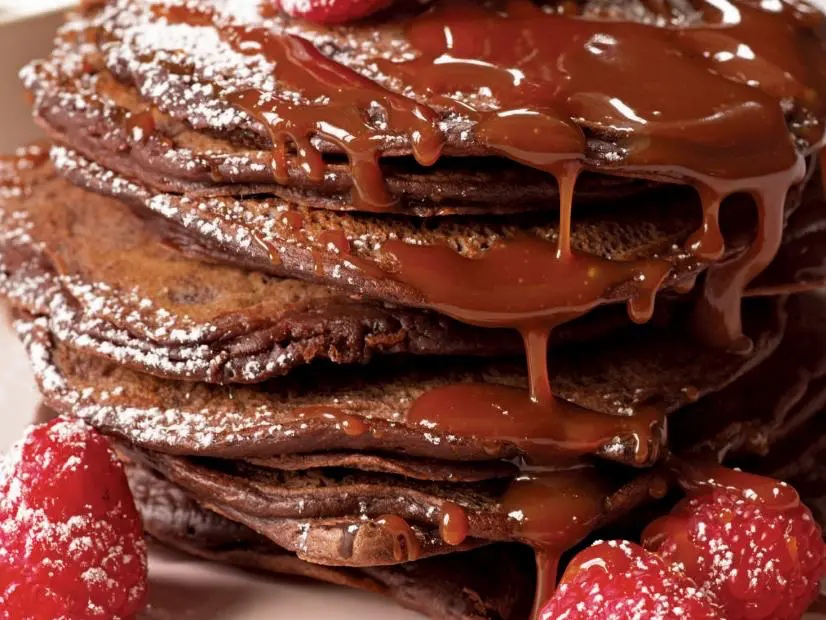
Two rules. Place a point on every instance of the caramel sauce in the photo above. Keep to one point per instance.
(523, 284)
(140, 126)
(702, 105)
(679, 103)
(336, 240)
(340, 117)
(272, 251)
(351, 425)
(553, 511)
(543, 432)
(406, 547)
(453, 523)
(544, 70)
(717, 316)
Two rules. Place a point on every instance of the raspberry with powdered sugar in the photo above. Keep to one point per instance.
(619, 579)
(761, 554)
(739, 547)
(71, 542)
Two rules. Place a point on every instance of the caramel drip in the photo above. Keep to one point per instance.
(707, 243)
(453, 523)
(533, 285)
(536, 350)
(553, 511)
(272, 251)
(406, 547)
(709, 113)
(343, 116)
(336, 241)
(352, 425)
(689, 99)
(140, 126)
(547, 569)
(522, 283)
(686, 286)
(544, 432)
(566, 181)
(718, 318)
(698, 104)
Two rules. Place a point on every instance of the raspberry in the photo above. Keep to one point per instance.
(617, 580)
(332, 11)
(71, 545)
(760, 554)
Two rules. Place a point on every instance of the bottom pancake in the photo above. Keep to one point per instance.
(492, 583)
(343, 517)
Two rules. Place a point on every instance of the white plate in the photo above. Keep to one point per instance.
(181, 588)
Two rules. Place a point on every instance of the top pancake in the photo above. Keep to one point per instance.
(147, 89)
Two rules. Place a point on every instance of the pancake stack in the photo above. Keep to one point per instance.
(422, 303)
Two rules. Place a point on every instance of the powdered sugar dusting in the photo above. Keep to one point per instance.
(139, 45)
(619, 580)
(145, 426)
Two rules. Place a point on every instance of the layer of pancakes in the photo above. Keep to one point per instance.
(422, 304)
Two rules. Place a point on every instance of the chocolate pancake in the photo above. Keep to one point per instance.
(406, 466)
(93, 112)
(364, 253)
(110, 286)
(96, 121)
(336, 517)
(209, 68)
(491, 583)
(645, 370)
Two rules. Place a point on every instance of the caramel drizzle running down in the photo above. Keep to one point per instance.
(682, 104)
(341, 115)
(140, 126)
(406, 547)
(700, 105)
(679, 104)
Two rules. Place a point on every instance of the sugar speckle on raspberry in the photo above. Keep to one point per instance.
(760, 560)
(331, 11)
(618, 579)
(71, 545)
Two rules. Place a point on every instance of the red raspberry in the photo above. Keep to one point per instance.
(332, 11)
(761, 558)
(71, 545)
(617, 580)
